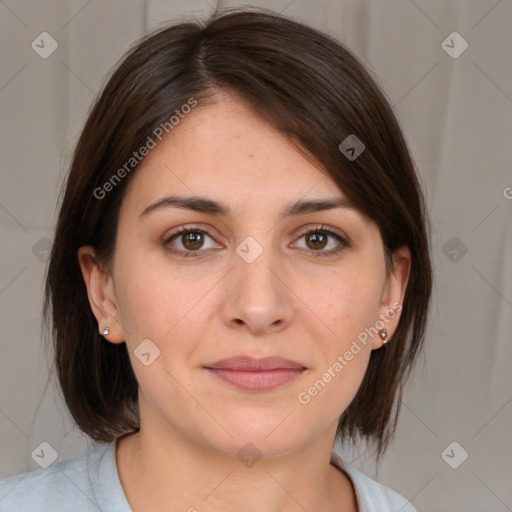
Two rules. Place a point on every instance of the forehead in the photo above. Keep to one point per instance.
(228, 151)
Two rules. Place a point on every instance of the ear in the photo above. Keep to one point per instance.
(101, 294)
(393, 295)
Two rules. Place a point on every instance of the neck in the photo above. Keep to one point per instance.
(173, 474)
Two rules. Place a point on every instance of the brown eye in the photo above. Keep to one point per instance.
(189, 241)
(316, 240)
(192, 240)
(320, 238)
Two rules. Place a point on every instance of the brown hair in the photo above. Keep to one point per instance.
(312, 89)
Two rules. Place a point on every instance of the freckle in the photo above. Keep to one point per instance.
(251, 156)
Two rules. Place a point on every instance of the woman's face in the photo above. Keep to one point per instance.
(246, 283)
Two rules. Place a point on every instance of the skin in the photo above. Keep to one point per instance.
(197, 310)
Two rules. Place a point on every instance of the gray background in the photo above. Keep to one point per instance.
(457, 116)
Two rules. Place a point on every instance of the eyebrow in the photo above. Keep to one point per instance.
(210, 206)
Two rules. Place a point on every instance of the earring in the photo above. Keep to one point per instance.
(383, 334)
(106, 331)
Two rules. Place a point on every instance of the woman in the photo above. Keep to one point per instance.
(240, 274)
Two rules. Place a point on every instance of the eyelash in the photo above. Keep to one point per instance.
(191, 229)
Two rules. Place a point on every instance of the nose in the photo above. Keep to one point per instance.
(257, 298)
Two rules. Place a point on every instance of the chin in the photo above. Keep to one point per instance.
(261, 432)
(253, 447)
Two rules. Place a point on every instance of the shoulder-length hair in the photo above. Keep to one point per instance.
(308, 86)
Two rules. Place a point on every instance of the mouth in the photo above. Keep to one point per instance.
(248, 373)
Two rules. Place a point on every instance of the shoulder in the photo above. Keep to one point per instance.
(68, 483)
(371, 495)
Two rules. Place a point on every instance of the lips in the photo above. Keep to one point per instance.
(248, 373)
(248, 363)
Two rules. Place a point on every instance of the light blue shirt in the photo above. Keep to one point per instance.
(90, 483)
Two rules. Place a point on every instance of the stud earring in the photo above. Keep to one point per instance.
(106, 331)
(383, 334)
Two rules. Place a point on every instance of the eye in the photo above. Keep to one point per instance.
(187, 241)
(317, 239)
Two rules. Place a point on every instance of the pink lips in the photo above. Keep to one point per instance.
(248, 373)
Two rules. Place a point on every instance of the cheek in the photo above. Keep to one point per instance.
(341, 356)
(158, 302)
(332, 386)
(349, 305)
